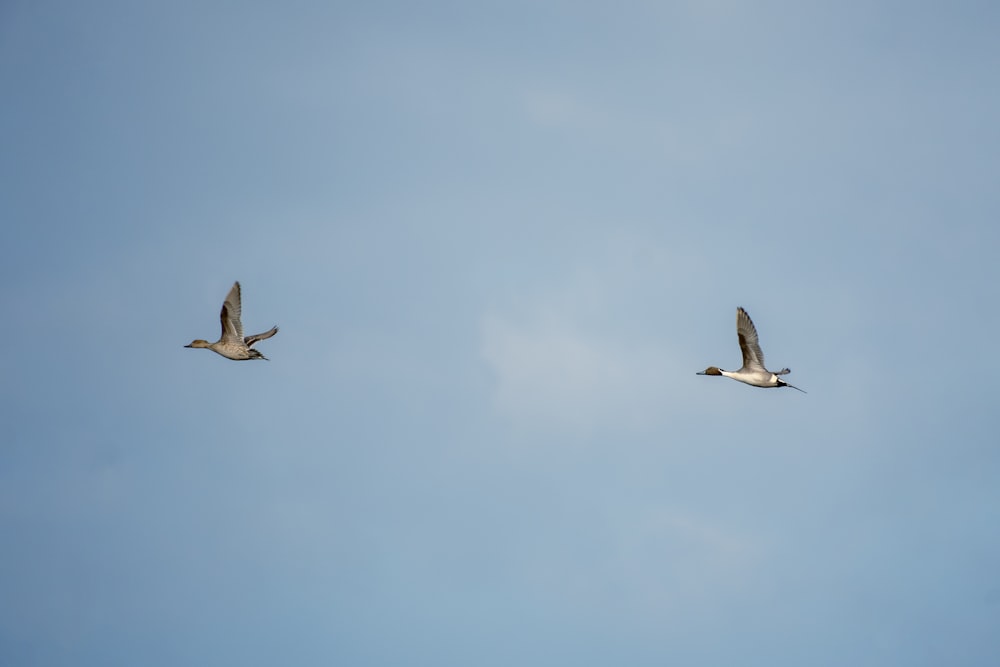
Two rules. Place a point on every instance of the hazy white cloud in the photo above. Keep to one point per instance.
(552, 371)
(573, 356)
(552, 108)
(684, 554)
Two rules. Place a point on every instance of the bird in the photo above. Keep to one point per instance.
(232, 344)
(753, 371)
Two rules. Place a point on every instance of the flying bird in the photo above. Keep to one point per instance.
(753, 371)
(232, 344)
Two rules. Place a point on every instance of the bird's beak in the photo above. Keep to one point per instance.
(187, 346)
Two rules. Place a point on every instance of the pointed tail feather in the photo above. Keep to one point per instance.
(782, 383)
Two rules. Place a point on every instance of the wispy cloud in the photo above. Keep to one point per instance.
(692, 553)
(554, 108)
(553, 372)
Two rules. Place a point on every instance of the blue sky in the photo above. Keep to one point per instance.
(499, 239)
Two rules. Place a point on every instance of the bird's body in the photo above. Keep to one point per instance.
(232, 344)
(753, 371)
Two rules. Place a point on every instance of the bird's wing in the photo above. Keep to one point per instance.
(232, 327)
(250, 340)
(753, 358)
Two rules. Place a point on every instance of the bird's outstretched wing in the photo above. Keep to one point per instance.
(250, 340)
(753, 358)
(232, 327)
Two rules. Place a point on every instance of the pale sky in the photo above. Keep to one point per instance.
(500, 239)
